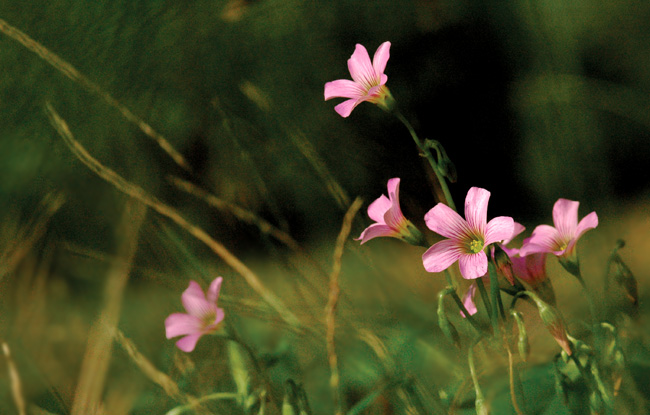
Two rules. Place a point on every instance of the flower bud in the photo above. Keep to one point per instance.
(522, 342)
(447, 328)
(503, 264)
(553, 321)
(625, 279)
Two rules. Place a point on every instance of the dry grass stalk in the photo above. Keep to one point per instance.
(240, 213)
(150, 371)
(140, 194)
(307, 149)
(332, 302)
(90, 387)
(72, 73)
(16, 385)
(22, 243)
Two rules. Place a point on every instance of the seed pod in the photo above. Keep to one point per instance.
(553, 321)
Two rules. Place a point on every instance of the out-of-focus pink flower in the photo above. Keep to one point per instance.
(468, 299)
(467, 237)
(389, 219)
(367, 84)
(561, 239)
(202, 317)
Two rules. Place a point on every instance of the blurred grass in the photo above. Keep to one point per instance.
(533, 100)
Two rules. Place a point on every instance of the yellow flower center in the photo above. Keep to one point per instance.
(476, 246)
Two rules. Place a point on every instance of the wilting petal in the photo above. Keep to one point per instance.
(381, 58)
(468, 300)
(376, 230)
(473, 266)
(188, 343)
(476, 204)
(361, 68)
(565, 217)
(444, 221)
(213, 291)
(441, 255)
(194, 300)
(499, 229)
(378, 208)
(344, 109)
(179, 324)
(343, 88)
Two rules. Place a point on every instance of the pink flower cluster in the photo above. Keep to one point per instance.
(467, 239)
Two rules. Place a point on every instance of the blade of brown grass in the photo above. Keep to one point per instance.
(72, 73)
(94, 367)
(334, 292)
(16, 385)
(140, 194)
(22, 243)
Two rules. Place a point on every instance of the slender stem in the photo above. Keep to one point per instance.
(427, 153)
(488, 305)
(461, 306)
(494, 290)
(513, 389)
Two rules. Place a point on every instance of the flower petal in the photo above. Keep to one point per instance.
(393, 216)
(499, 229)
(343, 88)
(476, 204)
(441, 255)
(219, 316)
(188, 343)
(545, 238)
(519, 228)
(344, 109)
(444, 221)
(361, 68)
(194, 301)
(179, 324)
(213, 291)
(565, 217)
(473, 266)
(378, 208)
(376, 230)
(381, 58)
(468, 300)
(588, 222)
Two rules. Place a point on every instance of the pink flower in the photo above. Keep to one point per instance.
(389, 219)
(561, 239)
(203, 316)
(467, 238)
(368, 80)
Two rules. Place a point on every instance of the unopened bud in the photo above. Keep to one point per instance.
(553, 321)
(447, 328)
(504, 264)
(625, 279)
(522, 342)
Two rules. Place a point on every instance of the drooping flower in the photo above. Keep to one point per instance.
(202, 317)
(561, 239)
(390, 221)
(468, 299)
(367, 84)
(467, 238)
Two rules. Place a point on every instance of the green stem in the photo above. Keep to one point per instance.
(212, 397)
(427, 153)
(461, 306)
(488, 306)
(494, 290)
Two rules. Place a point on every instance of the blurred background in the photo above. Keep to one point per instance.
(533, 100)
